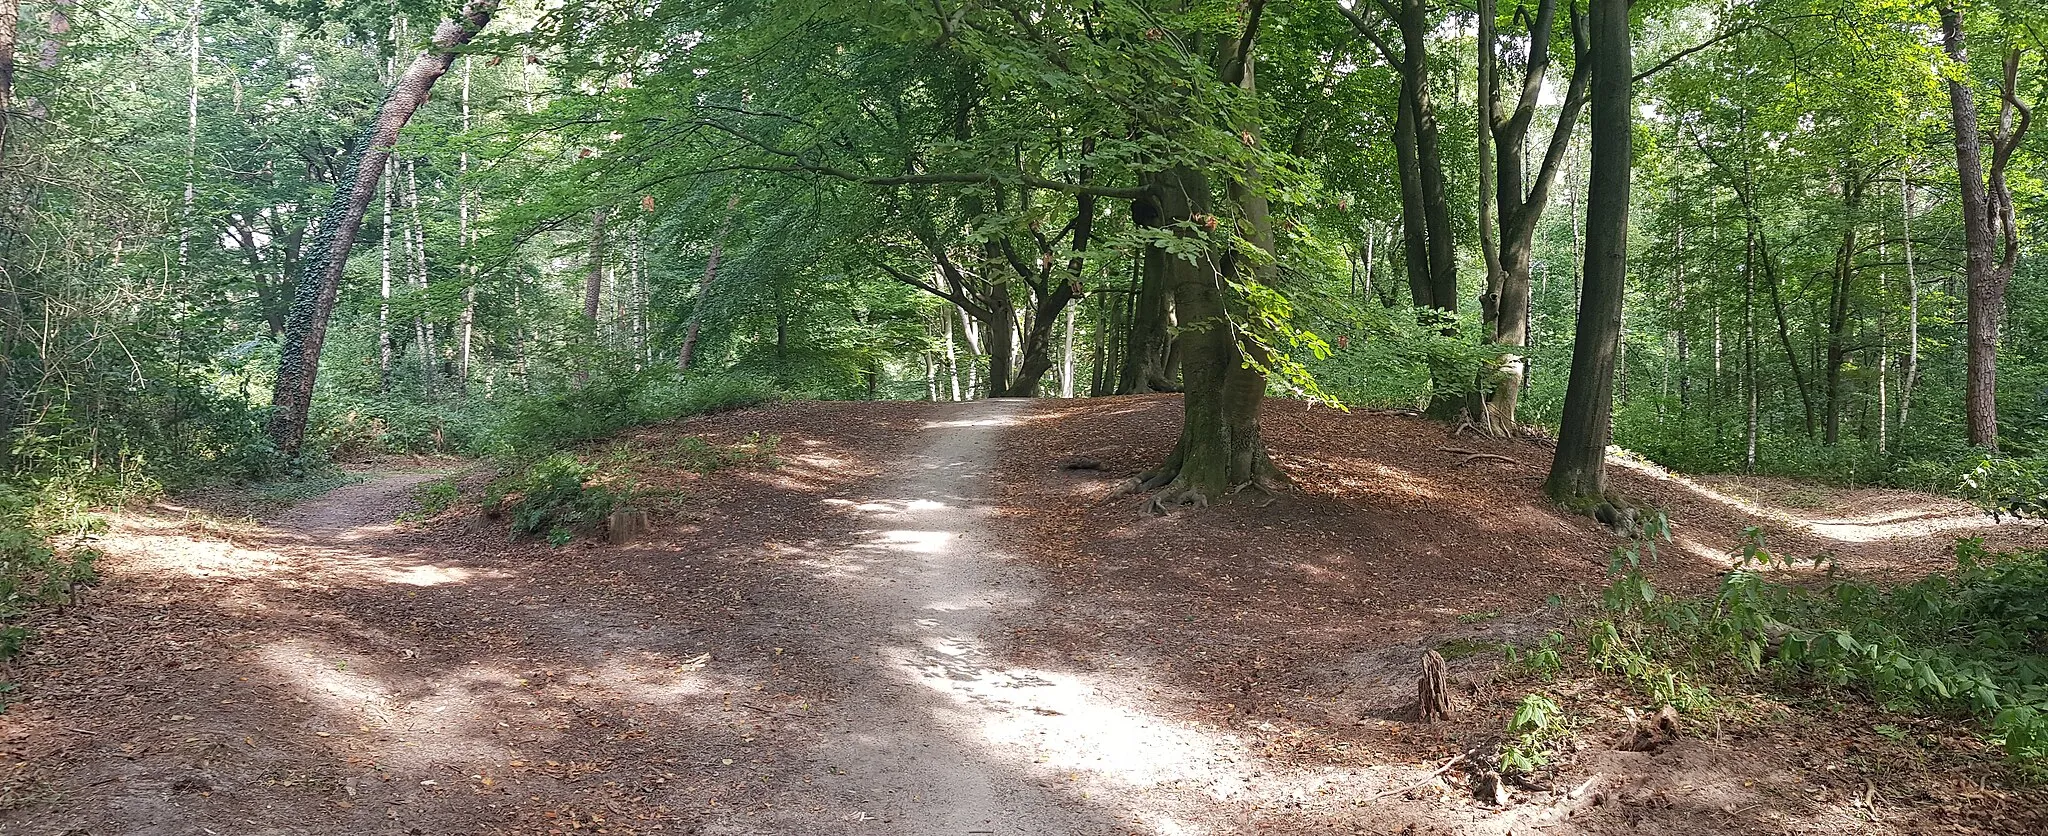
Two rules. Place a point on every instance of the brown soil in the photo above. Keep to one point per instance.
(912, 620)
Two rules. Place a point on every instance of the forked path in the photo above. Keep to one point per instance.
(831, 648)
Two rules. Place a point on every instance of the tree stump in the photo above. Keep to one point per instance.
(1432, 694)
(624, 526)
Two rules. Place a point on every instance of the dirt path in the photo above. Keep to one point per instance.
(906, 620)
(830, 657)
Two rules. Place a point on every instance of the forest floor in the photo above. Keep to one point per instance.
(915, 620)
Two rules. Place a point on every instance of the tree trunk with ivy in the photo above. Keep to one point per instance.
(319, 284)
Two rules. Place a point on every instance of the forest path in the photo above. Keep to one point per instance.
(876, 618)
(831, 648)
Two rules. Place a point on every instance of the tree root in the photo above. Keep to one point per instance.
(1473, 455)
(1172, 499)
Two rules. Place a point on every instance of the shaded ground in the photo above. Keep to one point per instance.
(913, 621)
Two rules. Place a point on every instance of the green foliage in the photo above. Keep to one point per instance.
(553, 495)
(704, 457)
(2002, 486)
(437, 496)
(1965, 643)
(32, 573)
(1534, 731)
(607, 405)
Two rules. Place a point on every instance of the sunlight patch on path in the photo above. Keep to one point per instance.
(1021, 747)
(1838, 525)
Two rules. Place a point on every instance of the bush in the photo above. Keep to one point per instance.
(1972, 642)
(32, 573)
(537, 424)
(554, 496)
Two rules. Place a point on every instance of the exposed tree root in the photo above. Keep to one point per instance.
(1176, 498)
(1473, 455)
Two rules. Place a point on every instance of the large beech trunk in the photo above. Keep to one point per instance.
(1578, 473)
(320, 283)
(1221, 448)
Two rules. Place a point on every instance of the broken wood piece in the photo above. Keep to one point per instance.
(1454, 761)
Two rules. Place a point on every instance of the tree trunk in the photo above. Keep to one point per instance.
(1147, 344)
(1784, 326)
(1749, 345)
(423, 326)
(467, 324)
(1520, 201)
(192, 18)
(384, 286)
(1986, 213)
(1220, 447)
(593, 280)
(320, 285)
(1067, 354)
(1840, 292)
(1578, 473)
(689, 350)
(1911, 374)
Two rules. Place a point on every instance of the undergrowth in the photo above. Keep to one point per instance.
(554, 496)
(1971, 643)
(34, 571)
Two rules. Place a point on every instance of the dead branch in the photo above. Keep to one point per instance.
(1454, 761)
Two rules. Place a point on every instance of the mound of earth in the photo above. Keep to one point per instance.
(914, 618)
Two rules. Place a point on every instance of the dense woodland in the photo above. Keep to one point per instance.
(1767, 236)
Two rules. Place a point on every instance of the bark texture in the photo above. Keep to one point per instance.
(320, 283)
(1578, 472)
(1987, 217)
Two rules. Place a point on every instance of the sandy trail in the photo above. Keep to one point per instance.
(952, 739)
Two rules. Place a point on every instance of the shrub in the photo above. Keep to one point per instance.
(553, 496)
(32, 573)
(1971, 642)
(602, 406)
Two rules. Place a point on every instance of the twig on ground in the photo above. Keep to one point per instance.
(1454, 761)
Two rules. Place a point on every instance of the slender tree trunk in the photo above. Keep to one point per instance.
(423, 325)
(1578, 472)
(192, 18)
(467, 325)
(952, 357)
(1067, 355)
(1749, 344)
(384, 341)
(593, 280)
(1841, 292)
(972, 335)
(1784, 327)
(689, 351)
(1680, 313)
(1911, 374)
(320, 285)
